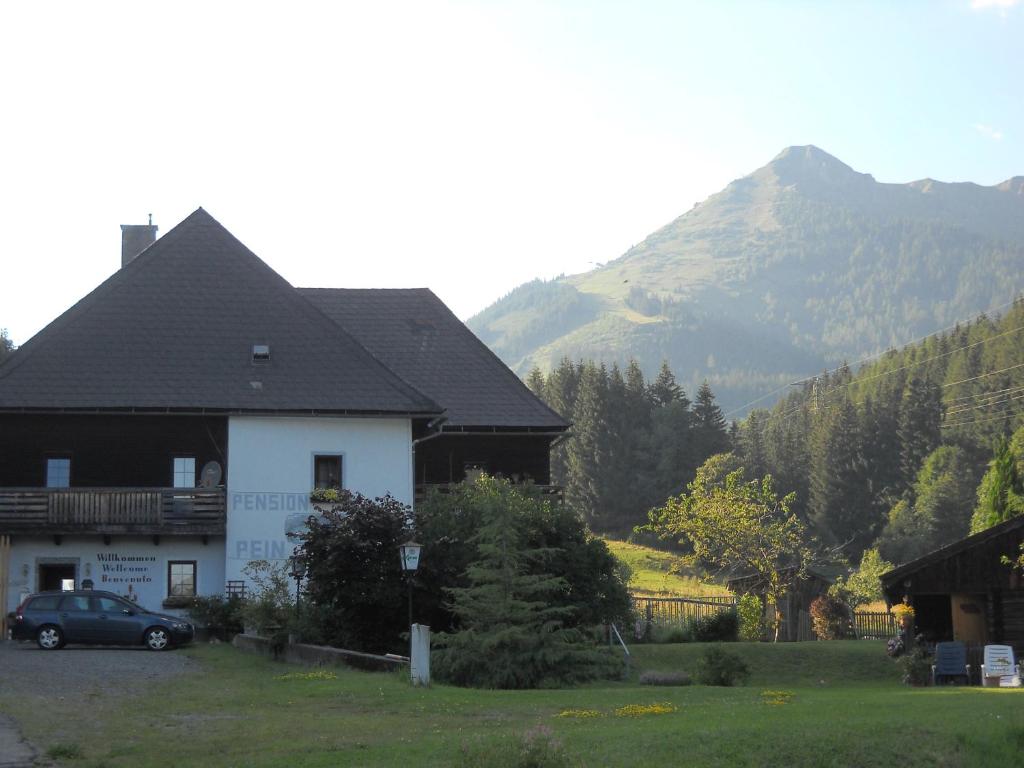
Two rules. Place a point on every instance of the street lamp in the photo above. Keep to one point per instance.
(410, 554)
(297, 568)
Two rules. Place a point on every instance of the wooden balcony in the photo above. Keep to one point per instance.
(159, 511)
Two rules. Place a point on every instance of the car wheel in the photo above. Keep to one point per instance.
(49, 638)
(157, 639)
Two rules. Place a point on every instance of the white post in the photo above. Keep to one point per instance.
(419, 654)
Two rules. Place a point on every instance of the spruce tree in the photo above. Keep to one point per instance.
(560, 395)
(709, 424)
(919, 425)
(588, 452)
(511, 632)
(1001, 493)
(664, 389)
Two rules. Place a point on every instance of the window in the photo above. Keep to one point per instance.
(108, 605)
(184, 472)
(44, 603)
(181, 578)
(327, 472)
(75, 603)
(58, 473)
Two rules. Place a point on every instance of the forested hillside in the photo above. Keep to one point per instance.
(633, 442)
(892, 455)
(792, 269)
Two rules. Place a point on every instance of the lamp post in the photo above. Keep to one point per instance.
(297, 569)
(410, 554)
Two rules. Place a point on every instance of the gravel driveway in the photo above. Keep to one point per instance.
(82, 670)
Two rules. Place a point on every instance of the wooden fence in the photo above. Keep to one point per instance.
(677, 610)
(874, 625)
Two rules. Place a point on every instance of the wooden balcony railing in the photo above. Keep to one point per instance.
(112, 510)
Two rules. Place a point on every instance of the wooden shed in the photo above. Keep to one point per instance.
(965, 591)
(796, 607)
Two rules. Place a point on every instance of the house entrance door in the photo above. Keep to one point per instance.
(56, 576)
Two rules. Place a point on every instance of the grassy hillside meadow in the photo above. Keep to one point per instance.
(656, 573)
(808, 704)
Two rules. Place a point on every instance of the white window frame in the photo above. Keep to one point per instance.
(180, 472)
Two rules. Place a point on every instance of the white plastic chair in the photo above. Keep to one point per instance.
(1000, 669)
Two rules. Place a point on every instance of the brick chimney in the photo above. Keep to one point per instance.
(135, 238)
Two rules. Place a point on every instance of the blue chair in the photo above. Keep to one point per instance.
(950, 663)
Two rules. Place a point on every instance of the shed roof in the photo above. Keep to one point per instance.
(892, 578)
(419, 338)
(174, 330)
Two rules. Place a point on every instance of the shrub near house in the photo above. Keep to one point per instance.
(355, 593)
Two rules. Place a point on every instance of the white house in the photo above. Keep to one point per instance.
(169, 427)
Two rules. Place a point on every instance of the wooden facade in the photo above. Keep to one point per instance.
(516, 455)
(107, 450)
(965, 591)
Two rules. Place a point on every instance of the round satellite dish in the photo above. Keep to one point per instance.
(211, 475)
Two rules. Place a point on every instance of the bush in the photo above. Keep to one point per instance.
(354, 592)
(751, 616)
(830, 618)
(222, 616)
(672, 634)
(721, 627)
(665, 678)
(720, 667)
(269, 606)
(916, 666)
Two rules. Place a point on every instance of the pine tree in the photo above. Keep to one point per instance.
(588, 456)
(664, 390)
(560, 394)
(709, 424)
(1001, 493)
(535, 381)
(749, 444)
(838, 487)
(919, 425)
(511, 632)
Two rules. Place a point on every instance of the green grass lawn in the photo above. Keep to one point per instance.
(655, 574)
(846, 709)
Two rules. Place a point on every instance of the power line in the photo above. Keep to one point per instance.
(979, 421)
(988, 403)
(980, 394)
(876, 355)
(983, 375)
(916, 341)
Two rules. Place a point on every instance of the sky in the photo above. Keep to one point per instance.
(463, 146)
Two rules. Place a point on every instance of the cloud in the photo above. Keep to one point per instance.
(1002, 6)
(989, 132)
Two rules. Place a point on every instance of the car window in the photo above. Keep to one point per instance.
(43, 603)
(108, 605)
(75, 603)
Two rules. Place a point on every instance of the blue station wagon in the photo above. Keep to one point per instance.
(54, 619)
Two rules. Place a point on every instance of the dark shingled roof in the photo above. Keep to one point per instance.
(894, 577)
(417, 336)
(174, 330)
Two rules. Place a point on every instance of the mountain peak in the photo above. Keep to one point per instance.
(794, 165)
(1014, 185)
